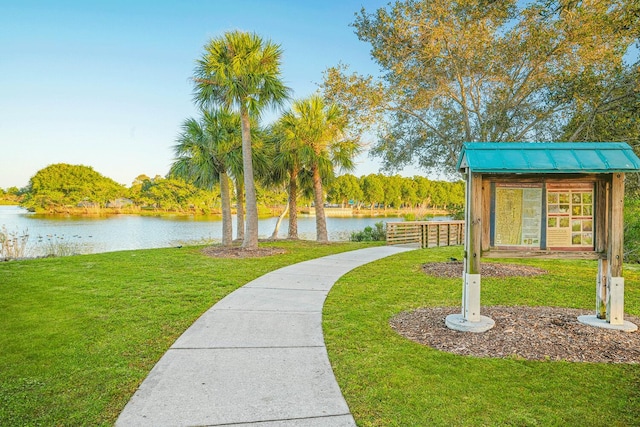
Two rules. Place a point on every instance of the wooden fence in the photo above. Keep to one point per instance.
(427, 233)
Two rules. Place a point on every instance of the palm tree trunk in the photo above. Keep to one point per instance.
(225, 196)
(240, 209)
(293, 205)
(321, 221)
(274, 236)
(250, 240)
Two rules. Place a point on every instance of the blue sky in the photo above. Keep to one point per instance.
(106, 83)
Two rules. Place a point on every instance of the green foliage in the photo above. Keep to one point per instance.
(345, 188)
(373, 189)
(70, 185)
(487, 71)
(393, 191)
(79, 334)
(172, 194)
(456, 212)
(240, 71)
(397, 192)
(10, 196)
(317, 132)
(379, 234)
(207, 151)
(388, 380)
(632, 230)
(608, 110)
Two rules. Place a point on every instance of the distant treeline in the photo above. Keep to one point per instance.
(75, 188)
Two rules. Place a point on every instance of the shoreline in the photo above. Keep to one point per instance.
(263, 212)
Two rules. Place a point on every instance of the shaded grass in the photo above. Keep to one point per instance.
(388, 380)
(79, 334)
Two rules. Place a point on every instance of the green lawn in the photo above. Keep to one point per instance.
(388, 380)
(78, 334)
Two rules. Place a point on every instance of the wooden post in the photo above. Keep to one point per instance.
(601, 289)
(601, 199)
(615, 253)
(486, 214)
(473, 247)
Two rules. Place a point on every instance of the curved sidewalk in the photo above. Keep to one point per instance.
(256, 358)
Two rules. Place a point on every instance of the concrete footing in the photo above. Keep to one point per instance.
(459, 323)
(593, 320)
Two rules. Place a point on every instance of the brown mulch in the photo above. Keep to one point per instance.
(491, 269)
(239, 252)
(533, 333)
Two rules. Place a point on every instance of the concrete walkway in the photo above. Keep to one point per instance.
(256, 358)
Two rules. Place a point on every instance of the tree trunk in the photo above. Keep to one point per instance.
(225, 196)
(293, 205)
(274, 236)
(250, 240)
(240, 209)
(321, 221)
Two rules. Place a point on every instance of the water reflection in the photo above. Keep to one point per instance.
(122, 232)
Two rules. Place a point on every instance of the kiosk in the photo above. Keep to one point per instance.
(547, 199)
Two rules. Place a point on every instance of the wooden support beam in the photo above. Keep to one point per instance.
(616, 224)
(474, 224)
(615, 253)
(473, 249)
(486, 214)
(601, 289)
(601, 199)
(601, 210)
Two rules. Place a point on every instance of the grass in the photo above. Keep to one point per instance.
(388, 380)
(78, 334)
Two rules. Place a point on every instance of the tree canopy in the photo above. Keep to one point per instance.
(62, 184)
(474, 70)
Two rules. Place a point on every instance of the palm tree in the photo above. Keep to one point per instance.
(204, 151)
(285, 171)
(317, 132)
(241, 71)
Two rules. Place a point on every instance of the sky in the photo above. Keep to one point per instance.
(106, 83)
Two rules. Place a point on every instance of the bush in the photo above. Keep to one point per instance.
(632, 230)
(456, 212)
(369, 234)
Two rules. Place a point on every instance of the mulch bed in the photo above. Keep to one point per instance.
(533, 333)
(453, 269)
(239, 252)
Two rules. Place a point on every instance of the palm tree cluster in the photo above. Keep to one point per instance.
(235, 81)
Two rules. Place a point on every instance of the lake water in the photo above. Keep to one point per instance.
(122, 232)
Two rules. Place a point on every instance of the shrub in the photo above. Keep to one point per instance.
(456, 212)
(632, 230)
(369, 234)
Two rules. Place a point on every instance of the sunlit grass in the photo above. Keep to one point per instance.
(78, 334)
(388, 380)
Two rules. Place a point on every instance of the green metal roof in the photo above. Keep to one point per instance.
(548, 157)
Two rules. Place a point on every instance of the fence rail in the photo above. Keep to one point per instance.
(427, 233)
